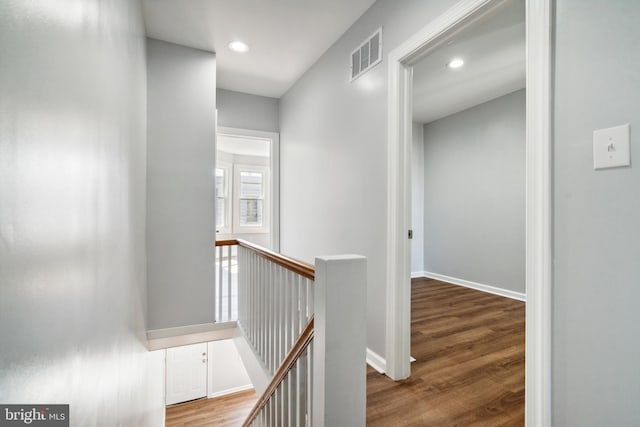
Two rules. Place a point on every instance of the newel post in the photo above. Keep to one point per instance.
(340, 341)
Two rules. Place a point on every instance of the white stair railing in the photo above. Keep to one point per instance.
(306, 325)
(226, 278)
(275, 302)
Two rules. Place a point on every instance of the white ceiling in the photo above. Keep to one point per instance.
(494, 53)
(285, 37)
(243, 146)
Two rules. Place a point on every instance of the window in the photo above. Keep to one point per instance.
(252, 182)
(220, 198)
(250, 204)
(223, 206)
(242, 198)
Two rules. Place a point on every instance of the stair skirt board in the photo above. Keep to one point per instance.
(258, 375)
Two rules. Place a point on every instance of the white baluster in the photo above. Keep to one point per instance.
(302, 389)
(271, 313)
(302, 306)
(275, 318)
(281, 310)
(255, 307)
(241, 308)
(219, 287)
(294, 306)
(229, 316)
(285, 404)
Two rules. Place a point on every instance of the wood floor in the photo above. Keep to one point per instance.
(226, 411)
(469, 369)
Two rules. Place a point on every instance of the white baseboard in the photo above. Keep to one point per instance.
(473, 285)
(231, 390)
(376, 361)
(416, 274)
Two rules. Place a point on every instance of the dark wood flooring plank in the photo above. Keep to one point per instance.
(469, 369)
(225, 411)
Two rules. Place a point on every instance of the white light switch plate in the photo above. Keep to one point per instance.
(611, 147)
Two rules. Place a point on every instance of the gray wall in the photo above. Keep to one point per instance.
(72, 212)
(596, 351)
(245, 111)
(333, 151)
(180, 193)
(474, 194)
(417, 199)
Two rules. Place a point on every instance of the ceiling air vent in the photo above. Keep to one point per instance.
(366, 55)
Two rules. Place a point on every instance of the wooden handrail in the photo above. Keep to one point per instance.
(294, 354)
(232, 242)
(298, 267)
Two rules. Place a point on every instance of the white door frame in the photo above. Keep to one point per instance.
(538, 195)
(274, 163)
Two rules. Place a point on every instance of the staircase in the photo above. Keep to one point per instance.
(303, 328)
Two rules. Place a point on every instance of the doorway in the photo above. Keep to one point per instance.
(468, 156)
(538, 230)
(247, 205)
(247, 186)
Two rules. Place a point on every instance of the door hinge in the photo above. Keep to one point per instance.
(410, 234)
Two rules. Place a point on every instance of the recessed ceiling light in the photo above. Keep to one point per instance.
(455, 63)
(238, 46)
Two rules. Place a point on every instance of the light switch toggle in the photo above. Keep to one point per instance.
(611, 147)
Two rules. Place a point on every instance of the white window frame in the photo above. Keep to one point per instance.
(266, 197)
(274, 170)
(228, 170)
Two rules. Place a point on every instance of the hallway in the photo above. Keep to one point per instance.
(469, 370)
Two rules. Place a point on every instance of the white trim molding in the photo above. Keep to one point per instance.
(400, 81)
(158, 339)
(231, 391)
(398, 315)
(538, 199)
(376, 361)
(477, 286)
(418, 274)
(538, 224)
